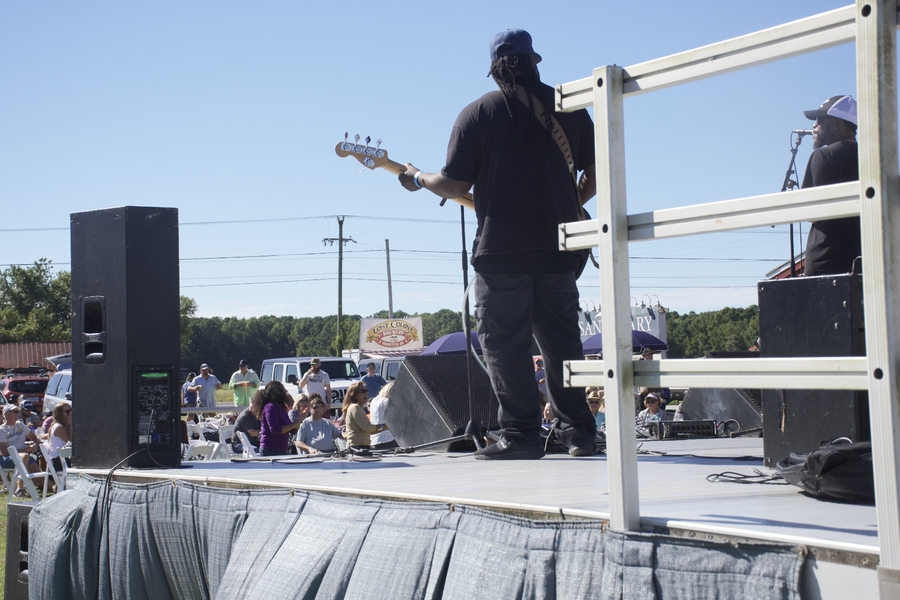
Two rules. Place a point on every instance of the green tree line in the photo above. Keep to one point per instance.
(223, 342)
(35, 304)
(692, 335)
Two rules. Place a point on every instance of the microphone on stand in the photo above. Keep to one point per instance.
(802, 132)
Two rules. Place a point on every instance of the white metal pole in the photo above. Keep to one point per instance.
(876, 84)
(612, 216)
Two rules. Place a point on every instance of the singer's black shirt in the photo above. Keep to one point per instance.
(832, 245)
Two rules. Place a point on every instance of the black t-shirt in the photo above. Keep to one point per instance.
(523, 188)
(832, 245)
(246, 421)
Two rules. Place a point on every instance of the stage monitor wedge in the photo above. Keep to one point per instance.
(430, 402)
(125, 337)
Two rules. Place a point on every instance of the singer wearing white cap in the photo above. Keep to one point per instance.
(833, 245)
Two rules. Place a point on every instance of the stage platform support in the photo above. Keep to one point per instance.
(170, 540)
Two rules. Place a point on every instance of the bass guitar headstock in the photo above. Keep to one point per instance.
(369, 156)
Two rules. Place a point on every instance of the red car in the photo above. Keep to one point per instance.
(28, 384)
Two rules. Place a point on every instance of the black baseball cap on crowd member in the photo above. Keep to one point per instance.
(513, 41)
(204, 366)
(243, 362)
(842, 107)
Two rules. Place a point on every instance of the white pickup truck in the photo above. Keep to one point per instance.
(289, 371)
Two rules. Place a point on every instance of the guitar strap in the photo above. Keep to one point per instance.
(559, 136)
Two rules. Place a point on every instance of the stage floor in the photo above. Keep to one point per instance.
(674, 491)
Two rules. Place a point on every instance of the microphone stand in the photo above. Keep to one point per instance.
(790, 184)
(473, 429)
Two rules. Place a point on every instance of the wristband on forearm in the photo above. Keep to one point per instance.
(416, 179)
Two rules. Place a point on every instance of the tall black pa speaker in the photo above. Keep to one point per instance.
(811, 316)
(429, 401)
(125, 337)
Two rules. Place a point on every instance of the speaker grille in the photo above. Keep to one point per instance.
(430, 401)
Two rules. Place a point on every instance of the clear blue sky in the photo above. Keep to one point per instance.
(230, 112)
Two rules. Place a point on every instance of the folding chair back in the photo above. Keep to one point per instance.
(59, 478)
(249, 451)
(200, 451)
(28, 478)
(193, 429)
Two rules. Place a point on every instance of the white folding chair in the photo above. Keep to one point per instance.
(221, 450)
(8, 479)
(226, 433)
(23, 474)
(59, 478)
(193, 428)
(199, 451)
(249, 450)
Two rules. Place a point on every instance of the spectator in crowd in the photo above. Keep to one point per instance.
(61, 433)
(359, 427)
(189, 391)
(597, 405)
(540, 377)
(301, 409)
(270, 406)
(29, 416)
(649, 414)
(248, 423)
(206, 385)
(45, 427)
(377, 406)
(317, 381)
(548, 416)
(16, 437)
(373, 382)
(317, 434)
(244, 382)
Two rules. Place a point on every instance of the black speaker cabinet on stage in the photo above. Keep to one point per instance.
(430, 402)
(125, 337)
(811, 316)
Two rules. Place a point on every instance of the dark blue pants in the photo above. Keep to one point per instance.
(509, 308)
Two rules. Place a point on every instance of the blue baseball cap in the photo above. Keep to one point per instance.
(518, 42)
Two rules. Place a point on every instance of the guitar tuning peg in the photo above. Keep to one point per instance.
(356, 138)
(378, 143)
(368, 139)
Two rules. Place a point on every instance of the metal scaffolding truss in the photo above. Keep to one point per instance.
(875, 198)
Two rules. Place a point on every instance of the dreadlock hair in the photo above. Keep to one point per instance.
(519, 70)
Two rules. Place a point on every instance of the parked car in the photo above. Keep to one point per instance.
(27, 384)
(290, 371)
(387, 367)
(58, 390)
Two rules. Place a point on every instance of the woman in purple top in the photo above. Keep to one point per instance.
(270, 406)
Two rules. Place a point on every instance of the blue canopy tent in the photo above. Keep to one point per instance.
(453, 343)
(639, 340)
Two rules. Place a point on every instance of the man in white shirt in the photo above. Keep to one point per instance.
(317, 381)
(206, 384)
(15, 436)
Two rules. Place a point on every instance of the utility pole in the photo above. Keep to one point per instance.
(341, 242)
(387, 251)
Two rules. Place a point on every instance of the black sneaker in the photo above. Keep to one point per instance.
(575, 450)
(507, 450)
